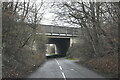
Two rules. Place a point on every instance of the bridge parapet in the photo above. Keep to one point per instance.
(60, 30)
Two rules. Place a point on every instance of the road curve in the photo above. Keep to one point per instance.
(63, 68)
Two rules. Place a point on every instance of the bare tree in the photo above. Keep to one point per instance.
(19, 36)
(94, 19)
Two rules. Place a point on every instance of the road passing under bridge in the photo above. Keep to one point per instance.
(63, 37)
(63, 68)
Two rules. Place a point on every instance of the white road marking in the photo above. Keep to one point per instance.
(72, 69)
(63, 74)
(57, 62)
(60, 67)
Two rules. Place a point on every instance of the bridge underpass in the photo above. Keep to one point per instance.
(63, 37)
(62, 45)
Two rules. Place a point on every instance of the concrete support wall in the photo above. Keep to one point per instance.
(72, 41)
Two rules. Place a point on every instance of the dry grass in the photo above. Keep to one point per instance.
(26, 63)
(107, 65)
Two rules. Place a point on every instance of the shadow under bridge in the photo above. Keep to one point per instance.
(62, 45)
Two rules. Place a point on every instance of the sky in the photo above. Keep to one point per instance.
(67, 0)
(48, 17)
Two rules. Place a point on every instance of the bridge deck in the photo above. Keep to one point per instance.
(60, 30)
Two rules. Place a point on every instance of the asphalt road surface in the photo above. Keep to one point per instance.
(63, 68)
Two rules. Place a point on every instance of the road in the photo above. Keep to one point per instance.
(63, 68)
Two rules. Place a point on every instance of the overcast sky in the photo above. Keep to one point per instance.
(49, 17)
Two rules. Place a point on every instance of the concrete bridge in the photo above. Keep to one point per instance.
(61, 31)
(63, 37)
